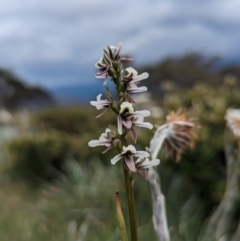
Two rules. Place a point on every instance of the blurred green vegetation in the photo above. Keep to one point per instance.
(44, 156)
(77, 183)
(208, 104)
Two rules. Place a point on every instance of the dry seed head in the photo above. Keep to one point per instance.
(177, 135)
(233, 121)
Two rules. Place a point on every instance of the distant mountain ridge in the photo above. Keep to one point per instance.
(184, 72)
(78, 93)
(14, 94)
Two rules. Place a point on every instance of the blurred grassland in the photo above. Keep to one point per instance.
(54, 187)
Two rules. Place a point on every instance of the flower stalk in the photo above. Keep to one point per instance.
(125, 81)
(131, 203)
(130, 196)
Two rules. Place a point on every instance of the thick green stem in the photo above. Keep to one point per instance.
(130, 198)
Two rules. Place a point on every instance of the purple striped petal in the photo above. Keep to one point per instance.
(131, 100)
(143, 174)
(127, 123)
(134, 135)
(108, 149)
(126, 59)
(130, 163)
(116, 54)
(101, 75)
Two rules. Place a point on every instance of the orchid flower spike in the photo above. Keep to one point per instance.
(105, 65)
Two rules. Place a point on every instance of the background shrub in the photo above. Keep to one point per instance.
(42, 155)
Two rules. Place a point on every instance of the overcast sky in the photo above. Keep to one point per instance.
(57, 42)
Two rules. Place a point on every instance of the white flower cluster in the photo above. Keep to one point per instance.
(126, 83)
(140, 164)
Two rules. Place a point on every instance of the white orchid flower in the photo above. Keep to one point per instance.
(105, 139)
(127, 154)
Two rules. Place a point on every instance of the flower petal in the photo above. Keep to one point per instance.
(116, 54)
(103, 112)
(147, 164)
(94, 143)
(140, 77)
(142, 154)
(143, 174)
(108, 149)
(132, 88)
(130, 163)
(131, 100)
(116, 159)
(101, 75)
(143, 113)
(129, 148)
(126, 106)
(131, 71)
(134, 135)
(100, 104)
(143, 124)
(127, 123)
(119, 125)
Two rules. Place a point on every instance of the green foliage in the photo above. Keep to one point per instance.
(185, 71)
(84, 196)
(57, 134)
(193, 187)
(72, 120)
(202, 170)
(79, 122)
(43, 155)
(196, 183)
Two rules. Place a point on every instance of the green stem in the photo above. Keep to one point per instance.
(130, 198)
(131, 204)
(128, 178)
